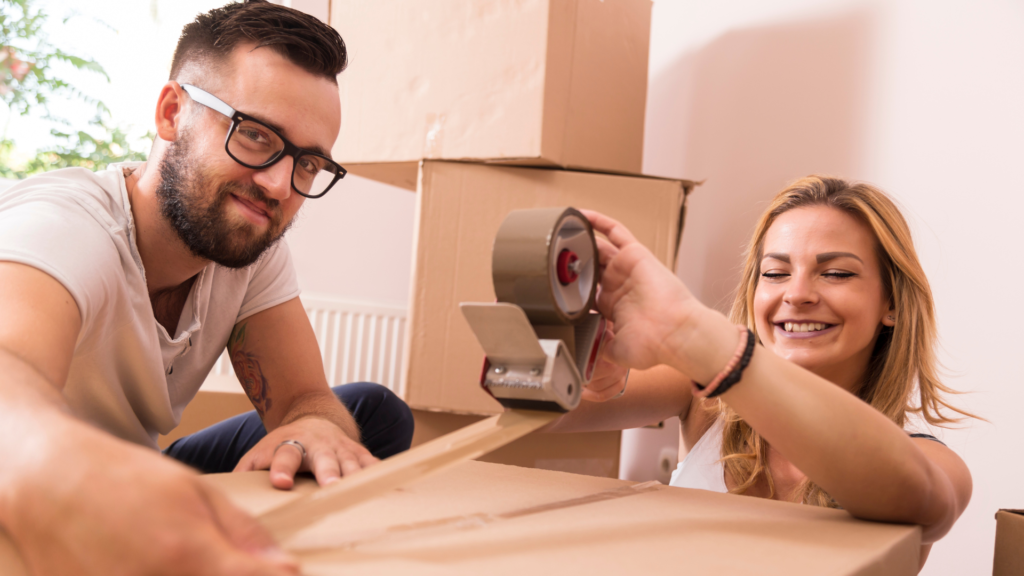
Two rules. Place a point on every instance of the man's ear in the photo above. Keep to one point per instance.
(169, 113)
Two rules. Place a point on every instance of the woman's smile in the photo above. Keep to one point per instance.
(803, 330)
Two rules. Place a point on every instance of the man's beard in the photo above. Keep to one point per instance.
(199, 218)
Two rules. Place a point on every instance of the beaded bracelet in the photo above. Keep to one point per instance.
(733, 371)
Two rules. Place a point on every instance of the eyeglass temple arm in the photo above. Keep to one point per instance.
(208, 100)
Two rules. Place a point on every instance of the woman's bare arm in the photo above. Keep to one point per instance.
(651, 396)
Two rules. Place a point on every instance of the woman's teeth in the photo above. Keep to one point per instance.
(804, 326)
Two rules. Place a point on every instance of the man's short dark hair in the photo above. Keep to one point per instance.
(302, 39)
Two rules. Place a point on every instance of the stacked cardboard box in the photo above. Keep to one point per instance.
(485, 107)
(1009, 556)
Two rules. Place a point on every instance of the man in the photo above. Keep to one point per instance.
(119, 290)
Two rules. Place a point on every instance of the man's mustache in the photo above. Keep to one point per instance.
(254, 193)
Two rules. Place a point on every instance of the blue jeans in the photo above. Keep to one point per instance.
(384, 420)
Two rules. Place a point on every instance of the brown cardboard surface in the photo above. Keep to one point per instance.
(460, 207)
(490, 519)
(401, 174)
(481, 518)
(1009, 556)
(589, 453)
(543, 82)
(400, 470)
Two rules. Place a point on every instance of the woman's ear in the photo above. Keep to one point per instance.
(890, 318)
(169, 114)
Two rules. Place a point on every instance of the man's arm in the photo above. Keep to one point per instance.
(277, 359)
(70, 494)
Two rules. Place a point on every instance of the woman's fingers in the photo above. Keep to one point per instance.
(618, 234)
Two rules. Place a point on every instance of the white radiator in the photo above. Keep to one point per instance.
(358, 342)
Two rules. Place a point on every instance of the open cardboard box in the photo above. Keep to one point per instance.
(481, 518)
(459, 208)
(540, 82)
(1009, 557)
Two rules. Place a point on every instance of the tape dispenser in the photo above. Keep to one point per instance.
(541, 339)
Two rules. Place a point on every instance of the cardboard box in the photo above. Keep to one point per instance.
(537, 82)
(1009, 557)
(587, 453)
(459, 209)
(481, 518)
(591, 453)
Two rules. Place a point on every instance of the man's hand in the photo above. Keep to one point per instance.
(114, 508)
(277, 360)
(330, 453)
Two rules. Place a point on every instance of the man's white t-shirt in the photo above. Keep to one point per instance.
(128, 375)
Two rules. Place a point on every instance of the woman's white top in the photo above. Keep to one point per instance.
(702, 468)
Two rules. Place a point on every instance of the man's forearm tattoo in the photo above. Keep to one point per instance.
(247, 368)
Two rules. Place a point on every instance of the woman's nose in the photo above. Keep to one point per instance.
(800, 291)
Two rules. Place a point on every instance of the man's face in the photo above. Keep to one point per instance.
(221, 210)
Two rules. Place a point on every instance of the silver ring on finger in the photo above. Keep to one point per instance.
(623, 391)
(295, 443)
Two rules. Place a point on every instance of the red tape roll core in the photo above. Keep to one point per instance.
(566, 275)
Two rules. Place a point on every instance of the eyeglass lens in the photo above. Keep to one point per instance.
(254, 144)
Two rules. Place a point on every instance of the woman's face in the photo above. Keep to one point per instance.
(820, 301)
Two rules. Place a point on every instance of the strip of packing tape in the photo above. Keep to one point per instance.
(420, 462)
(313, 544)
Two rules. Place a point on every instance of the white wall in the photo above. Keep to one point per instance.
(356, 242)
(923, 99)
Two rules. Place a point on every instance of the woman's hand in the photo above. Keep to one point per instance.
(609, 379)
(649, 305)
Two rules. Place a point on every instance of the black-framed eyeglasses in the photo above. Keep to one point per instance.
(253, 144)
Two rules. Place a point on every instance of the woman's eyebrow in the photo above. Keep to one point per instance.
(778, 256)
(826, 256)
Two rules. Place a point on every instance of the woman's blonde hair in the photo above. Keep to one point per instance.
(903, 357)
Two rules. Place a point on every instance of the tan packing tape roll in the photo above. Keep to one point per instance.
(545, 261)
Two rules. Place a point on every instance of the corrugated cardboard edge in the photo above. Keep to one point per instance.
(1009, 547)
(899, 559)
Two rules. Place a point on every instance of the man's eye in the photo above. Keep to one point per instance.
(252, 134)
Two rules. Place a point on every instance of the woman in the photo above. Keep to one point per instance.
(841, 312)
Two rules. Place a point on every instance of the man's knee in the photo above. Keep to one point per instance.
(384, 419)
